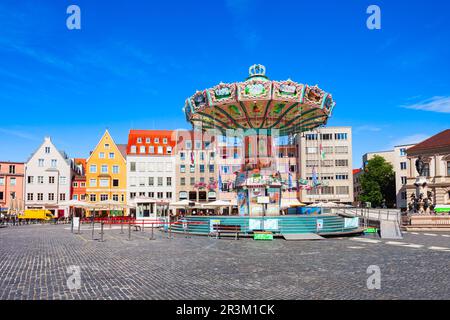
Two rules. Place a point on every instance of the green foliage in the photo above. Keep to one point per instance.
(378, 182)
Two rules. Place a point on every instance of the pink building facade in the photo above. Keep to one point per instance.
(11, 184)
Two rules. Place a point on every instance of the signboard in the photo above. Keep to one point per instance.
(271, 224)
(263, 200)
(319, 224)
(76, 222)
(254, 224)
(351, 222)
(212, 223)
(263, 236)
(242, 202)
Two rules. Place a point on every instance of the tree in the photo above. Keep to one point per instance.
(378, 183)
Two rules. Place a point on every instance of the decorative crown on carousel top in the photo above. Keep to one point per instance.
(257, 70)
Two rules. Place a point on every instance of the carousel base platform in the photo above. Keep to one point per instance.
(326, 225)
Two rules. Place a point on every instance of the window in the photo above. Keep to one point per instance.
(326, 136)
(147, 140)
(192, 181)
(168, 195)
(104, 168)
(326, 163)
(104, 183)
(93, 197)
(202, 168)
(93, 182)
(47, 150)
(93, 168)
(426, 169)
(1, 195)
(212, 155)
(169, 150)
(151, 181)
(188, 144)
(142, 181)
(103, 197)
(30, 179)
(132, 181)
(311, 150)
(151, 149)
(182, 168)
(75, 184)
(342, 190)
(192, 168)
(404, 180)
(112, 155)
(156, 140)
(198, 145)
(2, 181)
(404, 195)
(183, 195)
(340, 136)
(115, 182)
(311, 136)
(40, 180)
(62, 197)
(83, 184)
(12, 169)
(342, 163)
(403, 152)
(62, 181)
(142, 149)
(225, 169)
(312, 163)
(160, 150)
(168, 181)
(448, 168)
(211, 168)
(41, 162)
(12, 182)
(182, 156)
(106, 146)
(101, 155)
(132, 195)
(164, 140)
(30, 196)
(133, 149)
(151, 194)
(341, 176)
(51, 180)
(182, 181)
(53, 163)
(341, 149)
(115, 197)
(115, 169)
(403, 165)
(40, 197)
(132, 166)
(160, 181)
(51, 197)
(160, 195)
(327, 190)
(139, 140)
(202, 156)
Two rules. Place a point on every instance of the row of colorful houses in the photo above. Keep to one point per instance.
(158, 167)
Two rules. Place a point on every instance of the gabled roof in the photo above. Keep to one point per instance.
(123, 149)
(124, 157)
(435, 143)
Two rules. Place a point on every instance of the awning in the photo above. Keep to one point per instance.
(442, 208)
(288, 203)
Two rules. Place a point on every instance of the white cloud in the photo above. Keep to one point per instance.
(435, 104)
(411, 139)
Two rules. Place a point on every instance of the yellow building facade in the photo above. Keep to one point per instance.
(106, 173)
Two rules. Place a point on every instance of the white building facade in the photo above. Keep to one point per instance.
(48, 177)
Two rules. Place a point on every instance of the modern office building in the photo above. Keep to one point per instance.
(11, 185)
(196, 169)
(325, 156)
(48, 178)
(151, 170)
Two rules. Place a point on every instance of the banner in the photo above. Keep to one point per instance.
(351, 222)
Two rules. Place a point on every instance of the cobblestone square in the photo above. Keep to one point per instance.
(34, 262)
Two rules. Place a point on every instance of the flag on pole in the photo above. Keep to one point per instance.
(220, 182)
(192, 157)
(315, 177)
(290, 184)
(322, 152)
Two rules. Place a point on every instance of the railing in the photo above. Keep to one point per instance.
(370, 214)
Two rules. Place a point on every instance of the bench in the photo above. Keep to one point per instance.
(227, 229)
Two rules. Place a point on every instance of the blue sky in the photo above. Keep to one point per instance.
(133, 64)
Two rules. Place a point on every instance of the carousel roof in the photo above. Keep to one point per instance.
(260, 103)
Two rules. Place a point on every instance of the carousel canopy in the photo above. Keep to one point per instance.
(259, 103)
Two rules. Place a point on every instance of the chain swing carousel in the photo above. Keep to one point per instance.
(261, 110)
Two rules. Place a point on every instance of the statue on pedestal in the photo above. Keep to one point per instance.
(420, 166)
